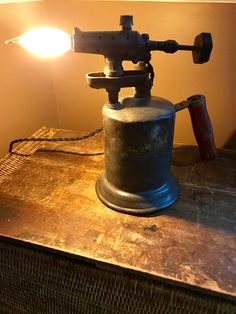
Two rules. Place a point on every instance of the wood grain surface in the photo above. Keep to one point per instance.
(50, 200)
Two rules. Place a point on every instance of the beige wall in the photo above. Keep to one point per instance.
(26, 91)
(32, 90)
(177, 77)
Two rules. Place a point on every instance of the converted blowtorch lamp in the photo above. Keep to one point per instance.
(138, 130)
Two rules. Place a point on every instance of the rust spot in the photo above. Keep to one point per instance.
(151, 228)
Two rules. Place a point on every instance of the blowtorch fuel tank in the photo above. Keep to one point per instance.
(138, 145)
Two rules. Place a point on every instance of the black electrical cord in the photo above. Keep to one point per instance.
(70, 152)
(53, 139)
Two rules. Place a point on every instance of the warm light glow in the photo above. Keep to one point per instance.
(44, 42)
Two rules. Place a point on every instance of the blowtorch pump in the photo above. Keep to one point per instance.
(138, 130)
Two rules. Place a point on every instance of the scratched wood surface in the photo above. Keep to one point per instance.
(51, 201)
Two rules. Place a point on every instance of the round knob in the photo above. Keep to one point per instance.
(126, 21)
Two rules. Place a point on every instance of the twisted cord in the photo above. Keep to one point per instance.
(56, 139)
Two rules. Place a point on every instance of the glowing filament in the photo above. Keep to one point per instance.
(44, 42)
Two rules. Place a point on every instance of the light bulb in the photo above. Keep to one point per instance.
(45, 42)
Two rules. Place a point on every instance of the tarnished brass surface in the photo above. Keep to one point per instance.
(50, 201)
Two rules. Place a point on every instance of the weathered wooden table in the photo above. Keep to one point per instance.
(63, 251)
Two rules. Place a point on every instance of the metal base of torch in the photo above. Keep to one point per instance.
(142, 203)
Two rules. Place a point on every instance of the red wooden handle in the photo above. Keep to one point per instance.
(202, 128)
